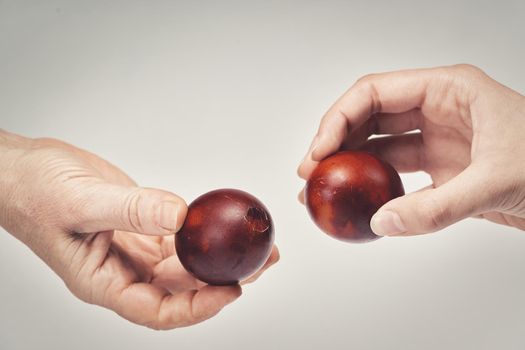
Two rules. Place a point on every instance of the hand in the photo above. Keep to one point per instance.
(470, 140)
(110, 241)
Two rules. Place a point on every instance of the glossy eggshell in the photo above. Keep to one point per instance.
(346, 189)
(227, 236)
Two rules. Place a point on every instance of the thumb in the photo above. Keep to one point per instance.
(135, 209)
(429, 210)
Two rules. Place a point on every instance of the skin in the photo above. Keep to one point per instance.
(110, 241)
(455, 123)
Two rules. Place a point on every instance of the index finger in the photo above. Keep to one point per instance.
(393, 92)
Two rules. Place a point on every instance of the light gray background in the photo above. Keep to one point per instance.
(193, 96)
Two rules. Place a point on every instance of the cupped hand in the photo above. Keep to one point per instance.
(110, 241)
(455, 123)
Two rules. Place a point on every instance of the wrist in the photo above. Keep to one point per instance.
(11, 149)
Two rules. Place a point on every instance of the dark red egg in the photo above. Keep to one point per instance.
(227, 236)
(346, 189)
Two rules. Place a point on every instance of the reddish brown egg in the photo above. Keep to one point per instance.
(227, 236)
(346, 189)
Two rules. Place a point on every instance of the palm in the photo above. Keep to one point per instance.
(129, 258)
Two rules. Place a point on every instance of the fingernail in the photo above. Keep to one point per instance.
(387, 223)
(168, 216)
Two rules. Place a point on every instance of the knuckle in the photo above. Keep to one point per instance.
(366, 87)
(131, 212)
(184, 315)
(435, 215)
(46, 142)
(366, 79)
(509, 197)
(467, 68)
(467, 72)
(156, 326)
(159, 321)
